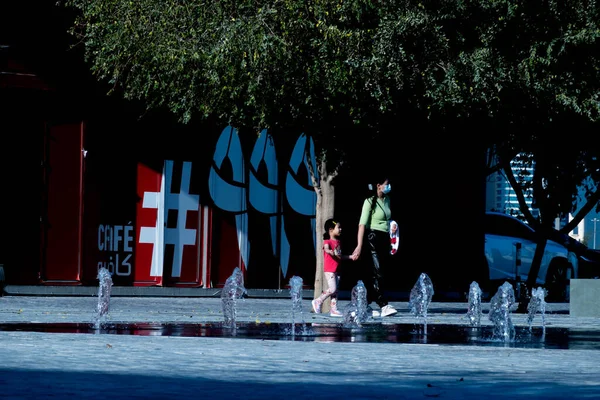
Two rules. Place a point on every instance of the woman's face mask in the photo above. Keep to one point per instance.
(386, 188)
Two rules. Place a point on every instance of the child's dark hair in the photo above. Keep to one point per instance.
(329, 224)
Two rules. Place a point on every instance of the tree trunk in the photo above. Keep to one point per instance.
(540, 237)
(536, 263)
(324, 211)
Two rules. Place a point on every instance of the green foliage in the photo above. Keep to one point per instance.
(247, 62)
(307, 62)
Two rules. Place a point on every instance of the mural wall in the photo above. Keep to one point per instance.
(173, 213)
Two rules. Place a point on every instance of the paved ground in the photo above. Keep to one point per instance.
(63, 365)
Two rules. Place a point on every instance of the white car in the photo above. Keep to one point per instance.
(504, 235)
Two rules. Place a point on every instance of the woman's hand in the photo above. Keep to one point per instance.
(356, 253)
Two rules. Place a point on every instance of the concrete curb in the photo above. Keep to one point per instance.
(159, 291)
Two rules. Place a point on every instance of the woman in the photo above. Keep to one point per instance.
(373, 228)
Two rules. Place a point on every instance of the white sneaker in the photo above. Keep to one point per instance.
(335, 313)
(388, 310)
(316, 306)
(374, 313)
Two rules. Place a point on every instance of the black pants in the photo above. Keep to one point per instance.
(378, 244)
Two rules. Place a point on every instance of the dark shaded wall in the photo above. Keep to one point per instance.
(21, 146)
(438, 200)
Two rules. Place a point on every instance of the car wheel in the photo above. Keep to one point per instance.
(556, 280)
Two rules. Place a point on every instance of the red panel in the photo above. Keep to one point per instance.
(206, 245)
(189, 274)
(228, 251)
(192, 259)
(65, 205)
(148, 246)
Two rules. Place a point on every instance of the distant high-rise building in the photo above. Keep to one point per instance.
(501, 197)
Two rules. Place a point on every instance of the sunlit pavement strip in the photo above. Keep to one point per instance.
(57, 365)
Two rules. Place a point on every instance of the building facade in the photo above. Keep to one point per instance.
(501, 197)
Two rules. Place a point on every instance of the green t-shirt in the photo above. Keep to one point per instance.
(377, 219)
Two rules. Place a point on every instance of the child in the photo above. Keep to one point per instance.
(332, 255)
(394, 240)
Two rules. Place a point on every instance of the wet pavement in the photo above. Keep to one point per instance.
(97, 365)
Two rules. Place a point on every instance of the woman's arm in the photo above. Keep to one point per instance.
(365, 218)
(359, 242)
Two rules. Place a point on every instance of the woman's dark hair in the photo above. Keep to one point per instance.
(377, 179)
(329, 224)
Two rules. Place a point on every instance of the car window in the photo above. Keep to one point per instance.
(507, 226)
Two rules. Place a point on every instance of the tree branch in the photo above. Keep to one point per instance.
(519, 192)
(311, 170)
(336, 171)
(591, 202)
(494, 155)
(490, 170)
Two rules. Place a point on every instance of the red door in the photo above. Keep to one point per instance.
(63, 229)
